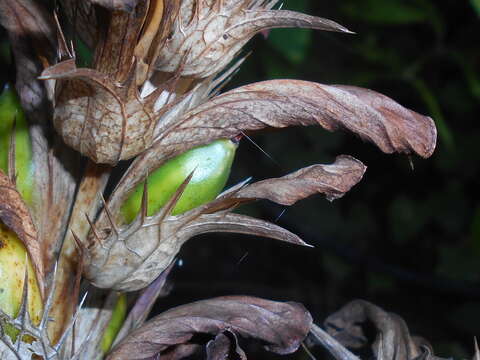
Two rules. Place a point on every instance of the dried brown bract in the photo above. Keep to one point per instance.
(152, 92)
(393, 340)
(130, 257)
(281, 326)
(207, 34)
(109, 112)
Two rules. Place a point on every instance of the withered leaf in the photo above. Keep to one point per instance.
(281, 326)
(393, 340)
(208, 34)
(86, 204)
(144, 304)
(337, 350)
(15, 215)
(282, 103)
(100, 111)
(101, 119)
(120, 258)
(223, 344)
(332, 180)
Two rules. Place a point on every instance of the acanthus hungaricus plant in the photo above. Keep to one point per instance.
(151, 93)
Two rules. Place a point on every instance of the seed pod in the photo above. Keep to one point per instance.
(12, 118)
(116, 322)
(211, 167)
(13, 262)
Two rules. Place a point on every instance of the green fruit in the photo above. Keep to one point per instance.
(13, 261)
(211, 165)
(11, 113)
(118, 317)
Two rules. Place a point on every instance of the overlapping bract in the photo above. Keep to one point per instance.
(152, 93)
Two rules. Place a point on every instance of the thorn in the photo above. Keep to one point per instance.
(380, 354)
(79, 245)
(242, 258)
(263, 151)
(63, 47)
(410, 161)
(72, 49)
(109, 216)
(49, 301)
(96, 236)
(23, 314)
(307, 350)
(73, 321)
(144, 205)
(477, 351)
(168, 208)
(281, 214)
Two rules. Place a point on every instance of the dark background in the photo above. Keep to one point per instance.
(407, 240)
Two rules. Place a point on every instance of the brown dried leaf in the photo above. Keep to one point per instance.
(223, 344)
(121, 259)
(208, 34)
(332, 180)
(337, 350)
(15, 215)
(281, 326)
(393, 340)
(126, 262)
(87, 204)
(420, 132)
(283, 103)
(143, 305)
(103, 120)
(101, 112)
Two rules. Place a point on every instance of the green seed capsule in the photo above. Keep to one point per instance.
(118, 317)
(211, 165)
(11, 113)
(13, 261)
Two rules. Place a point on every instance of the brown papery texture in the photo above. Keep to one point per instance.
(392, 341)
(281, 326)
